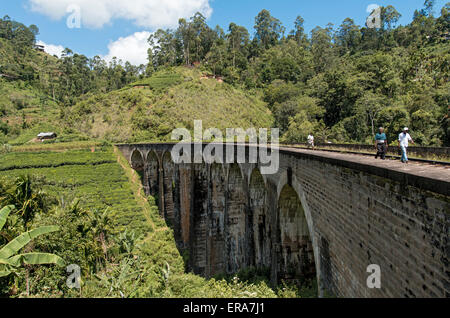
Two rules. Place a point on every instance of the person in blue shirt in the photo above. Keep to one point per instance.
(381, 144)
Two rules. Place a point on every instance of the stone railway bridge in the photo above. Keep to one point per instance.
(322, 215)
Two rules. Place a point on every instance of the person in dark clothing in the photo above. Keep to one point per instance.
(381, 144)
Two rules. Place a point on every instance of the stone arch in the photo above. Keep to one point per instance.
(138, 164)
(296, 256)
(152, 172)
(261, 227)
(216, 238)
(236, 220)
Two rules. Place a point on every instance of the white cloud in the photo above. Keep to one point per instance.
(51, 48)
(151, 14)
(132, 48)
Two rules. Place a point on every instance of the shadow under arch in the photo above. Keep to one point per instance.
(138, 164)
(152, 175)
(296, 257)
(260, 220)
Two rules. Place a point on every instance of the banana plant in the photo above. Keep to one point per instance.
(27, 198)
(10, 261)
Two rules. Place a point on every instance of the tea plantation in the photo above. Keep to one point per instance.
(94, 178)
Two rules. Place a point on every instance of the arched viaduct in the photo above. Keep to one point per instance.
(321, 215)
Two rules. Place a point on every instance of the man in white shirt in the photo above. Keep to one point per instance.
(403, 141)
(311, 141)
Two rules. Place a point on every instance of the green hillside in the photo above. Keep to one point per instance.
(150, 109)
(20, 61)
(23, 103)
(24, 112)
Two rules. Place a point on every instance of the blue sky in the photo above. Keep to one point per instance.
(120, 27)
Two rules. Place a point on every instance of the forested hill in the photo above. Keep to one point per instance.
(339, 82)
(35, 88)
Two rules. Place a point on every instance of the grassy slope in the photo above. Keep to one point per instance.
(150, 114)
(19, 100)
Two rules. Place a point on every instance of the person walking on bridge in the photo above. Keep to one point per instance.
(403, 142)
(311, 141)
(381, 144)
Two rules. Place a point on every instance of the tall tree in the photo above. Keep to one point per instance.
(299, 31)
(199, 27)
(268, 29)
(443, 22)
(186, 35)
(163, 44)
(348, 36)
(238, 40)
(389, 17)
(322, 47)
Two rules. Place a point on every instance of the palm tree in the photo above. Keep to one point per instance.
(10, 261)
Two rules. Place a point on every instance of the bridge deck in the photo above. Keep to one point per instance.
(426, 176)
(432, 177)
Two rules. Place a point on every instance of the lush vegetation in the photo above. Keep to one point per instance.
(10, 261)
(60, 80)
(340, 83)
(111, 230)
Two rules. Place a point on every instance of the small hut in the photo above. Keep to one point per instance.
(39, 47)
(46, 136)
